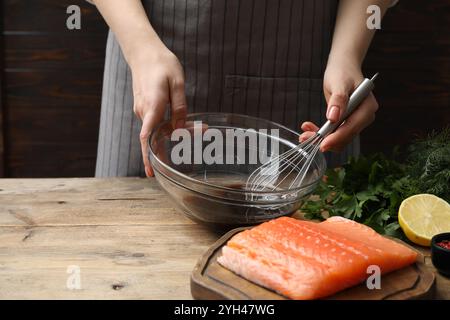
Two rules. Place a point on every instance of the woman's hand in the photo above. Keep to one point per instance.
(341, 78)
(158, 81)
(351, 39)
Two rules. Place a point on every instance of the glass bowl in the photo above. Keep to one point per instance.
(213, 190)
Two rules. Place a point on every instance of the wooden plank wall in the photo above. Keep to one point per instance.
(52, 83)
(2, 144)
(412, 54)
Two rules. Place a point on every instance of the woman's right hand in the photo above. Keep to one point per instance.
(158, 82)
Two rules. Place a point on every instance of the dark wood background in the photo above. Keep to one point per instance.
(51, 80)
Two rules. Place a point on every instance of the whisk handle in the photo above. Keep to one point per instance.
(356, 98)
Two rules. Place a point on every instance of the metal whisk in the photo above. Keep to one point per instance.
(290, 168)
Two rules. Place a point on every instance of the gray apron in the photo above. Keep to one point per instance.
(262, 58)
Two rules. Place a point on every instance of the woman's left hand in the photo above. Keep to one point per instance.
(340, 79)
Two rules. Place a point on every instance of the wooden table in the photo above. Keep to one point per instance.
(121, 234)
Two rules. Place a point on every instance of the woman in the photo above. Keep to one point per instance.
(264, 58)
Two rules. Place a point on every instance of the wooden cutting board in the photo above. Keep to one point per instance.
(210, 280)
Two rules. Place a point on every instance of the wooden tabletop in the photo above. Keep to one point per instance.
(91, 238)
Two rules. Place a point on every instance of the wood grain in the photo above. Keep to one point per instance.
(123, 234)
(55, 123)
(78, 50)
(52, 88)
(411, 52)
(2, 138)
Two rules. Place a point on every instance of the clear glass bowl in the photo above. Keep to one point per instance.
(215, 194)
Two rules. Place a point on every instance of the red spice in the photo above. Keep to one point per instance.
(444, 244)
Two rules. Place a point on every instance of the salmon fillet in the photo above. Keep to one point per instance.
(306, 260)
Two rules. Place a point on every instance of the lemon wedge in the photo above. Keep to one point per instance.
(422, 216)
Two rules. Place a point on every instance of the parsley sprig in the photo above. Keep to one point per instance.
(370, 189)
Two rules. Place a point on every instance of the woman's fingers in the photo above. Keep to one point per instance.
(309, 126)
(143, 137)
(178, 105)
(338, 98)
(152, 117)
(154, 110)
(158, 81)
(360, 118)
(191, 126)
(309, 129)
(306, 135)
(336, 105)
(340, 79)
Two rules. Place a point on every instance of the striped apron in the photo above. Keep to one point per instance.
(263, 58)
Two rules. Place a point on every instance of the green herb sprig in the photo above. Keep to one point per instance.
(370, 189)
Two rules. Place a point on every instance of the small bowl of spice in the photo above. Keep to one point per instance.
(440, 253)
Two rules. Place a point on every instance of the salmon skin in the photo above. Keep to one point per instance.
(307, 260)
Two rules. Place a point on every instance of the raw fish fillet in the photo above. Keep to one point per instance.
(307, 260)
